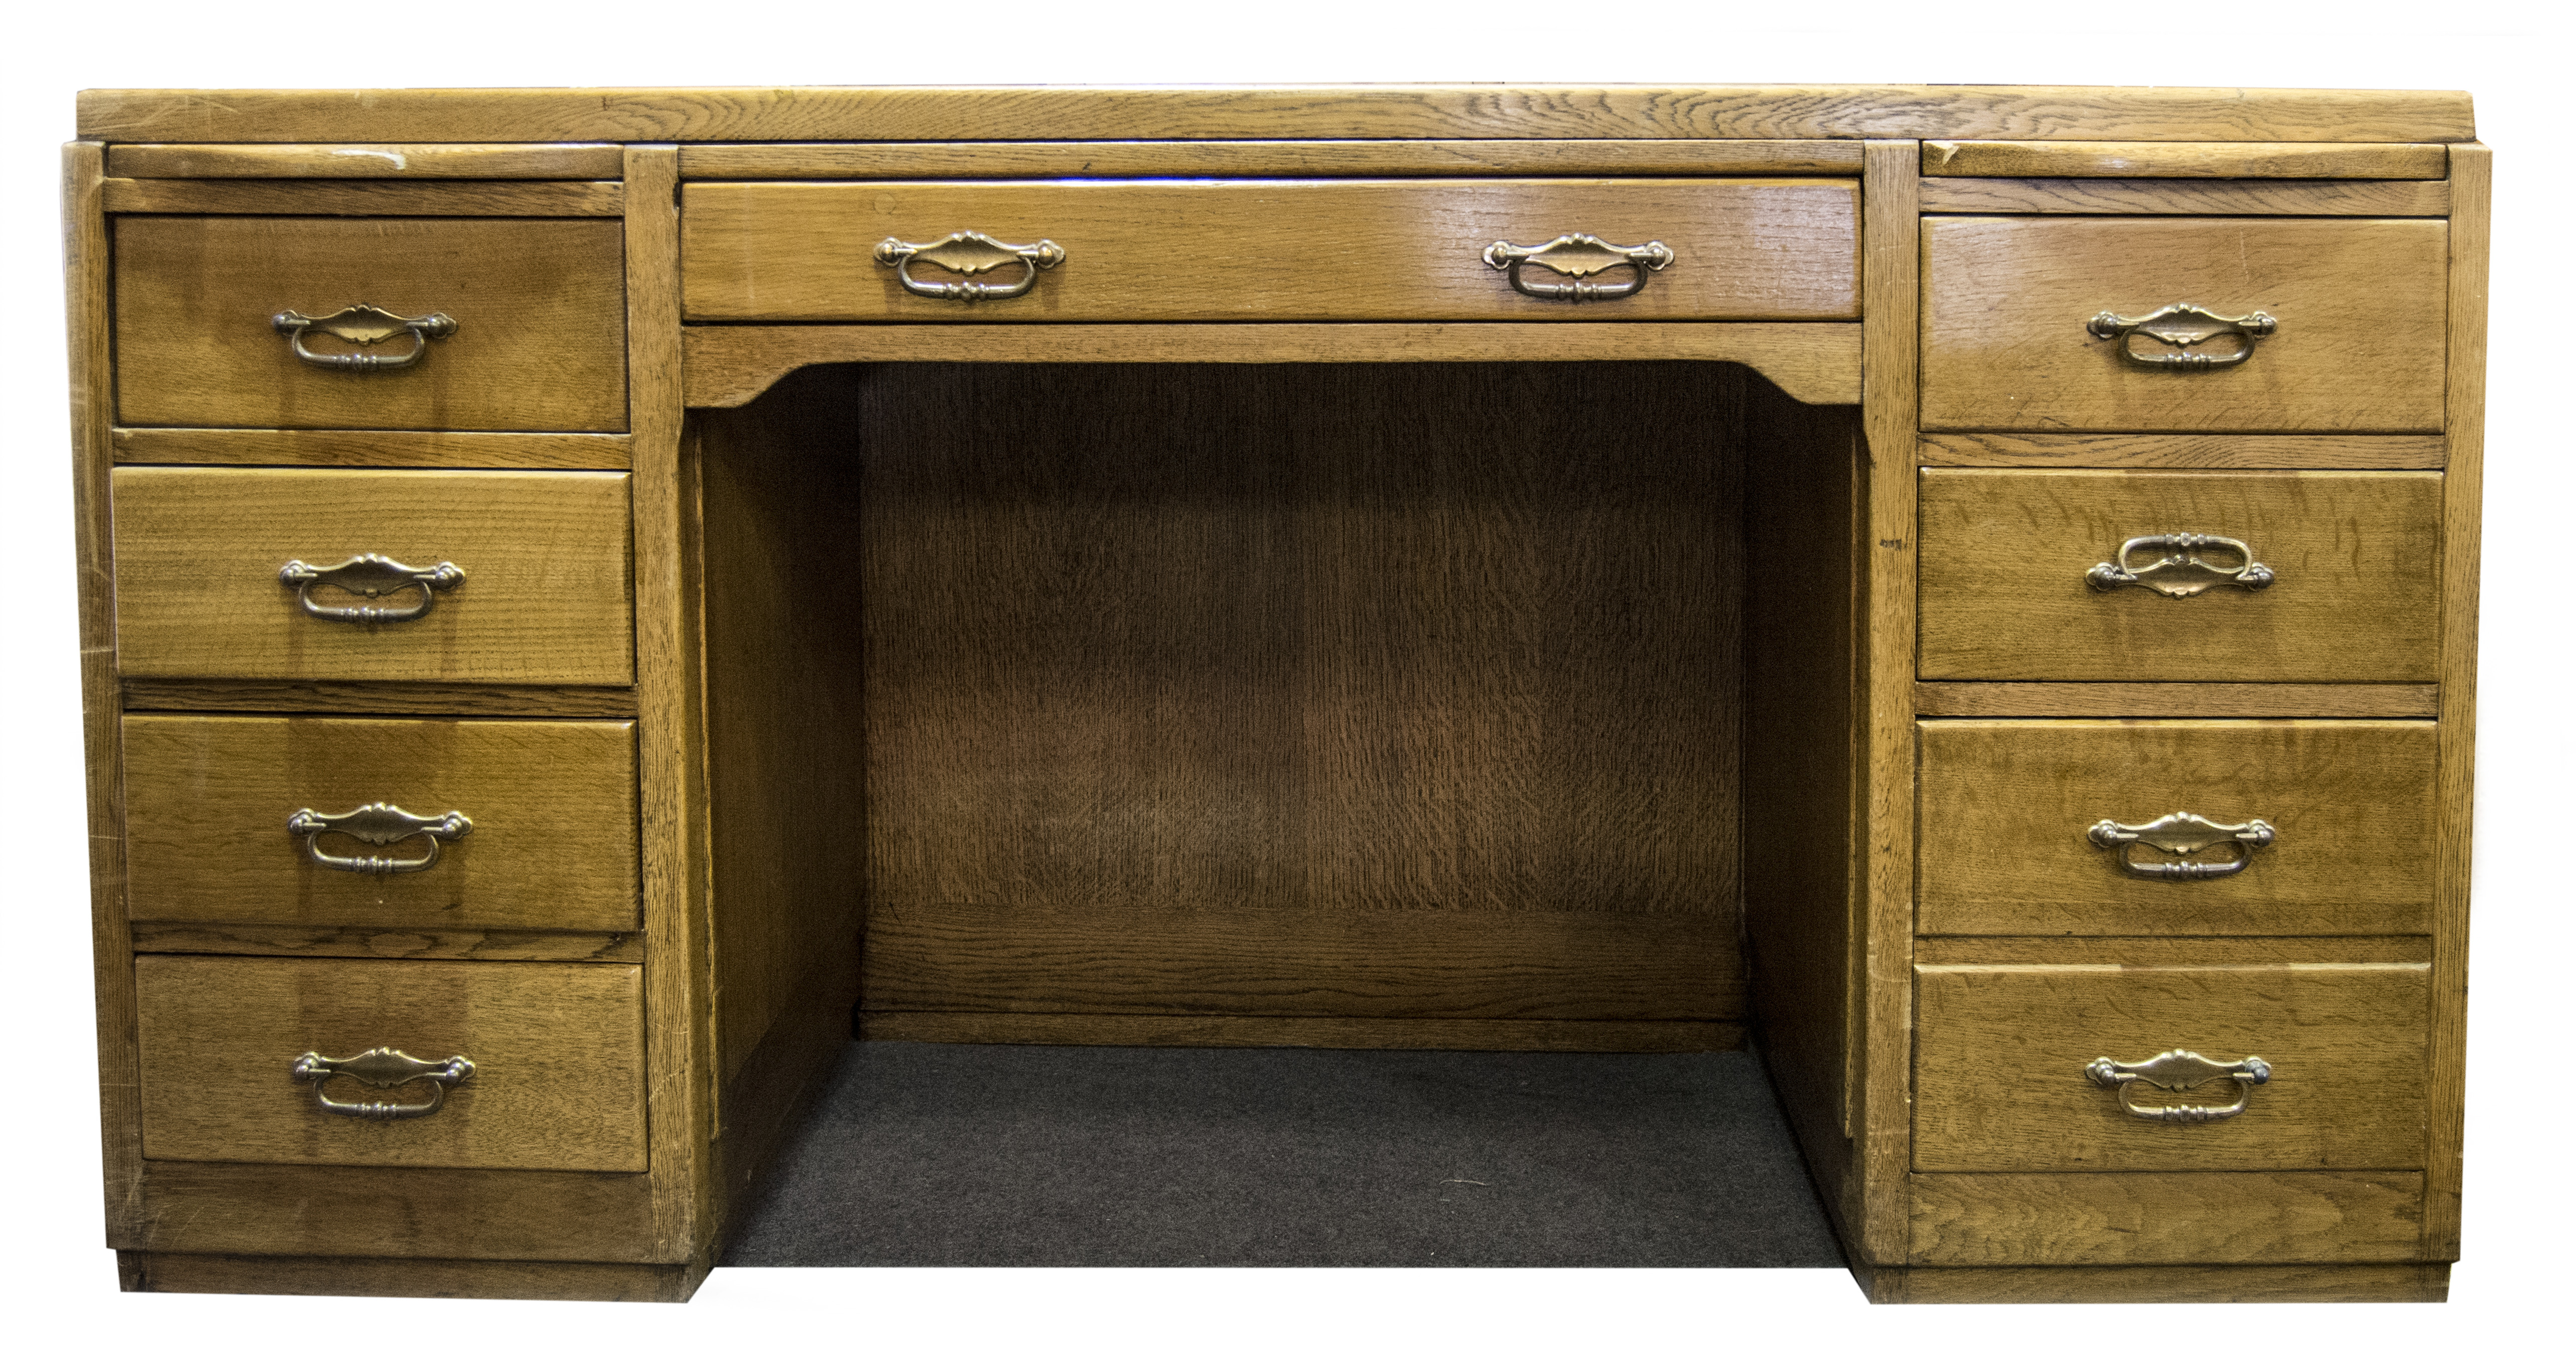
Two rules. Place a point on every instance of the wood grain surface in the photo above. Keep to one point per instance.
(540, 343)
(2288, 1217)
(557, 1049)
(383, 698)
(1049, 160)
(545, 598)
(2178, 198)
(2355, 595)
(372, 198)
(2120, 160)
(223, 1208)
(2163, 1284)
(1402, 1034)
(2000, 1051)
(2167, 951)
(967, 113)
(2212, 700)
(1273, 250)
(398, 449)
(2200, 450)
(552, 804)
(407, 944)
(414, 160)
(2359, 303)
(2006, 804)
(349, 1276)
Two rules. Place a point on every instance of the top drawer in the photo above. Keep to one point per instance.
(2358, 306)
(1272, 250)
(539, 306)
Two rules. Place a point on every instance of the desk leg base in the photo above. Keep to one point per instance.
(153, 1271)
(2157, 1283)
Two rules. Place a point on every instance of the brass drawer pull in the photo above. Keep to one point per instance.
(2183, 326)
(363, 324)
(370, 576)
(385, 1068)
(2183, 568)
(2176, 1071)
(378, 824)
(1575, 255)
(2182, 833)
(968, 253)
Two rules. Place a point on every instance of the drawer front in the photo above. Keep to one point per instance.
(2008, 808)
(2011, 589)
(557, 1051)
(539, 307)
(2359, 307)
(2001, 1051)
(544, 597)
(549, 810)
(1273, 250)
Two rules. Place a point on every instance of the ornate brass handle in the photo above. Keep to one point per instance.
(2184, 568)
(378, 824)
(363, 324)
(2182, 833)
(370, 576)
(385, 1068)
(1576, 255)
(2176, 1071)
(968, 253)
(2183, 326)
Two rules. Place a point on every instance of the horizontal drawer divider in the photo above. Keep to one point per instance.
(604, 450)
(381, 698)
(2217, 700)
(419, 944)
(1209, 1030)
(1301, 159)
(2152, 952)
(372, 198)
(2207, 198)
(2194, 450)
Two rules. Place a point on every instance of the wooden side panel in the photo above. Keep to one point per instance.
(552, 805)
(540, 343)
(1273, 250)
(2359, 302)
(2353, 595)
(557, 1049)
(545, 596)
(415, 160)
(2007, 803)
(2145, 1219)
(2000, 1052)
(219, 1208)
(2118, 160)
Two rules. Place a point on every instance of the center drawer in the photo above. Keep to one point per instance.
(1271, 250)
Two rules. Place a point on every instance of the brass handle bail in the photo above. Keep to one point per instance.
(2182, 833)
(384, 1068)
(2182, 327)
(1577, 255)
(2175, 1071)
(378, 825)
(363, 324)
(2185, 566)
(370, 576)
(968, 253)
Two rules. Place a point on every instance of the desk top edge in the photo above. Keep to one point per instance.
(1195, 113)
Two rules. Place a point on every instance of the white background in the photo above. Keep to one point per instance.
(2514, 58)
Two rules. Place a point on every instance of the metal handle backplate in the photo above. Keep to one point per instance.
(370, 576)
(2175, 1071)
(2183, 567)
(968, 253)
(2182, 328)
(385, 1068)
(378, 824)
(2182, 833)
(1577, 255)
(363, 325)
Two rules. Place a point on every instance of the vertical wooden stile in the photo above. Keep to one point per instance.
(2464, 428)
(93, 393)
(679, 1059)
(1890, 301)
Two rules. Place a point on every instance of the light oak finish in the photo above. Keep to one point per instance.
(2118, 160)
(415, 160)
(557, 1049)
(1402, 1034)
(2360, 303)
(360, 449)
(1813, 362)
(2164, 952)
(1011, 113)
(2006, 804)
(2213, 700)
(2046, 450)
(2000, 1051)
(1050, 160)
(539, 345)
(371, 199)
(2253, 1218)
(1272, 250)
(407, 944)
(2270, 198)
(545, 597)
(2356, 595)
(382, 698)
(2191, 1284)
(347, 1276)
(552, 804)
(221, 1208)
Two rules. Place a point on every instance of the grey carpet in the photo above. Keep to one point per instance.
(928, 1154)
